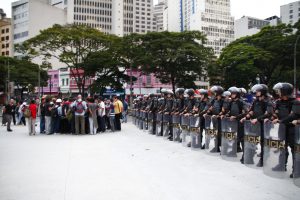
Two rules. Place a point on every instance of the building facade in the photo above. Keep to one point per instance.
(212, 17)
(5, 35)
(290, 13)
(247, 26)
(158, 15)
(118, 17)
(145, 84)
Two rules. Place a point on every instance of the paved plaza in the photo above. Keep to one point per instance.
(124, 165)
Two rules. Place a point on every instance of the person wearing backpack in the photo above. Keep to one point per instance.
(7, 114)
(32, 118)
(79, 108)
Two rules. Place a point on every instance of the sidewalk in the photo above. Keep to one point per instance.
(124, 165)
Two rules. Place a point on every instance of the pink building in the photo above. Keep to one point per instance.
(53, 83)
(145, 84)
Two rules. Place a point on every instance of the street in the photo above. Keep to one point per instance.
(124, 165)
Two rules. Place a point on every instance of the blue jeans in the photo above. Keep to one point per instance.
(56, 125)
(124, 116)
(42, 124)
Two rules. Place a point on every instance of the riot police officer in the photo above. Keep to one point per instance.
(260, 109)
(283, 114)
(169, 108)
(237, 109)
(190, 102)
(179, 103)
(215, 108)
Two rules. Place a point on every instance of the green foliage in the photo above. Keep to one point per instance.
(267, 55)
(176, 58)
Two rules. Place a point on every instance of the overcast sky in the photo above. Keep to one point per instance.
(254, 8)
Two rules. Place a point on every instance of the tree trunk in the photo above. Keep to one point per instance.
(173, 84)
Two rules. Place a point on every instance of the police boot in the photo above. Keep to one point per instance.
(203, 146)
(260, 163)
(242, 159)
(189, 144)
(279, 168)
(291, 175)
(239, 149)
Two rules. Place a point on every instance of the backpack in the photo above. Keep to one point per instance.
(54, 112)
(79, 107)
(27, 112)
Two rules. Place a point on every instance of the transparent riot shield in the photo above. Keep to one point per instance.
(195, 132)
(211, 134)
(134, 117)
(141, 120)
(138, 118)
(296, 173)
(166, 126)
(229, 138)
(251, 141)
(185, 134)
(176, 128)
(145, 121)
(150, 122)
(274, 149)
(158, 131)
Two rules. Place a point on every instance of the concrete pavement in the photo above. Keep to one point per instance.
(124, 165)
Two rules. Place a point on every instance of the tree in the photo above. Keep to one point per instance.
(175, 58)
(71, 45)
(23, 73)
(267, 55)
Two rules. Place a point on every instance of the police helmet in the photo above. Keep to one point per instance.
(217, 90)
(283, 89)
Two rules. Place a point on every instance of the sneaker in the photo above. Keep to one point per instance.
(239, 149)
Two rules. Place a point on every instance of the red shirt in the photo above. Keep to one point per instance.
(33, 108)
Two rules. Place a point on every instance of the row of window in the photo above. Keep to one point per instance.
(5, 30)
(93, 3)
(21, 15)
(20, 35)
(4, 38)
(142, 13)
(93, 11)
(87, 18)
(21, 24)
(219, 21)
(218, 30)
(5, 46)
(5, 53)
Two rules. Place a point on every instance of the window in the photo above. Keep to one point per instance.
(291, 11)
(55, 75)
(3, 31)
(67, 81)
(63, 82)
(148, 80)
(291, 16)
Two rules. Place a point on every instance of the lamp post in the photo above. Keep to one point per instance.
(295, 65)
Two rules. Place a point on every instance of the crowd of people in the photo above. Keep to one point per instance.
(215, 110)
(68, 115)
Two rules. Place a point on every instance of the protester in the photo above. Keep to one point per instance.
(101, 116)
(42, 111)
(112, 116)
(7, 114)
(32, 118)
(79, 108)
(92, 109)
(118, 106)
(21, 110)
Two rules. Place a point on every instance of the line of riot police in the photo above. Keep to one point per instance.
(223, 123)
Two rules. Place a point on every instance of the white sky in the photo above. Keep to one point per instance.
(254, 8)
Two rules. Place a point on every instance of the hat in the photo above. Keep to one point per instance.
(58, 101)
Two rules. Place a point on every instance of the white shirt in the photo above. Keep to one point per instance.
(101, 111)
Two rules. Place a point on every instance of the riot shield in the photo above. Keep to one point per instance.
(158, 131)
(185, 134)
(138, 118)
(229, 138)
(141, 120)
(211, 134)
(176, 128)
(150, 122)
(251, 141)
(166, 124)
(195, 132)
(134, 117)
(145, 121)
(296, 173)
(274, 149)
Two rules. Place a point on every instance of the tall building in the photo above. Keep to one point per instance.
(29, 17)
(212, 17)
(119, 17)
(290, 13)
(247, 26)
(5, 35)
(158, 14)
